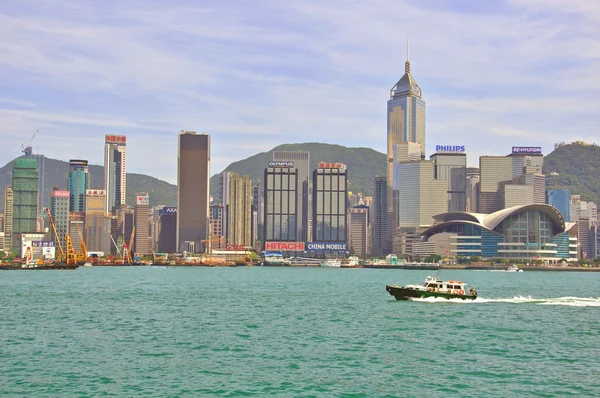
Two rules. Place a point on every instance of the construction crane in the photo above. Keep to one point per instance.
(27, 144)
(61, 253)
(82, 255)
(127, 248)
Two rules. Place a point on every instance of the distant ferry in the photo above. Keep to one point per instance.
(331, 262)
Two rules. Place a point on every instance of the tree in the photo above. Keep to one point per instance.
(434, 258)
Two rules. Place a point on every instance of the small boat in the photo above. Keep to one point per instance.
(514, 268)
(331, 262)
(433, 287)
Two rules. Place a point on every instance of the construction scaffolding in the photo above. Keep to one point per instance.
(25, 199)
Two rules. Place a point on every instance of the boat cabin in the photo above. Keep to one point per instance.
(450, 286)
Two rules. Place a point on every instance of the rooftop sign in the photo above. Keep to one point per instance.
(60, 194)
(280, 163)
(535, 150)
(329, 165)
(78, 162)
(449, 148)
(95, 192)
(325, 247)
(115, 139)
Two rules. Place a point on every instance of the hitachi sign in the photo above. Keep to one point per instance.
(285, 246)
(449, 148)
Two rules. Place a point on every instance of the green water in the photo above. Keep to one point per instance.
(153, 331)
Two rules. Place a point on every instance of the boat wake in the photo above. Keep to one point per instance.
(564, 301)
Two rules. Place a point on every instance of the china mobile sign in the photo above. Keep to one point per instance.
(285, 246)
(325, 247)
(527, 149)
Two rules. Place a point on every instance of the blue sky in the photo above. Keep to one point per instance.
(256, 74)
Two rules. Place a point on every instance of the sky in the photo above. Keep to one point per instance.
(256, 74)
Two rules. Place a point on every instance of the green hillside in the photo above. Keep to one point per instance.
(577, 167)
(363, 164)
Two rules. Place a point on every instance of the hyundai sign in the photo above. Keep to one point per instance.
(449, 148)
(325, 247)
(534, 150)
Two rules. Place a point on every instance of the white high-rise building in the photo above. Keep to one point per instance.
(115, 178)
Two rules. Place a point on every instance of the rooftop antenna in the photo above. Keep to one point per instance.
(407, 63)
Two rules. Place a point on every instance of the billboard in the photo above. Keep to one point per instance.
(284, 246)
(278, 163)
(329, 165)
(95, 192)
(449, 148)
(115, 139)
(143, 199)
(326, 247)
(42, 243)
(168, 210)
(534, 150)
(60, 194)
(78, 162)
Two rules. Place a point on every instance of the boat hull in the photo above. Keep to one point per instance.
(402, 293)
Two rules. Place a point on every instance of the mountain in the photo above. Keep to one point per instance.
(363, 164)
(56, 172)
(578, 166)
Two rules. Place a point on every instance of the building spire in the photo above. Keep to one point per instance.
(407, 63)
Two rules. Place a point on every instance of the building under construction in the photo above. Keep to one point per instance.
(25, 200)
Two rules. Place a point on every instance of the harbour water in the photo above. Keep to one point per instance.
(263, 331)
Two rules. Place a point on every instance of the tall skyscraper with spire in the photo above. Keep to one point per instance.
(405, 124)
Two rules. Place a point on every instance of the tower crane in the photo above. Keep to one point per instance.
(27, 144)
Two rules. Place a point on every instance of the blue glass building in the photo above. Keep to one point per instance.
(561, 199)
(78, 182)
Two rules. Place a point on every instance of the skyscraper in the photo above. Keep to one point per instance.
(301, 161)
(25, 200)
(167, 230)
(78, 183)
(193, 176)
(115, 178)
(405, 123)
(359, 230)
(8, 218)
(59, 207)
(382, 241)
(280, 209)
(452, 167)
(330, 205)
(239, 211)
(96, 234)
(142, 213)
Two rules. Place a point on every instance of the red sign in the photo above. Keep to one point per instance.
(285, 246)
(329, 165)
(60, 194)
(115, 139)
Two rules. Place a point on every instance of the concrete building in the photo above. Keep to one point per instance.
(59, 207)
(405, 123)
(25, 200)
(420, 196)
(330, 207)
(96, 233)
(472, 189)
(301, 161)
(115, 177)
(8, 218)
(239, 211)
(78, 183)
(382, 241)
(142, 224)
(585, 214)
(452, 167)
(217, 228)
(193, 177)
(281, 212)
(359, 231)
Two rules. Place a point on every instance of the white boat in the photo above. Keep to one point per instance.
(513, 268)
(331, 262)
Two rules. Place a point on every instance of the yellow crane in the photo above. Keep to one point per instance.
(61, 253)
(127, 249)
(82, 255)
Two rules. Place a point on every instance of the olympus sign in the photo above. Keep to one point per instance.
(279, 163)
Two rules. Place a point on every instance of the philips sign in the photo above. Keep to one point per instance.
(537, 150)
(276, 163)
(449, 148)
(325, 247)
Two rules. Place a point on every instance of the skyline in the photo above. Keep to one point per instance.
(518, 73)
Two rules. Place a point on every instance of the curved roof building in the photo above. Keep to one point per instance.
(535, 231)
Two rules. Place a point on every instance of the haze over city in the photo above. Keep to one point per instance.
(256, 75)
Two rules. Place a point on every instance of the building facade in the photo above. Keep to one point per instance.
(78, 183)
(359, 231)
(239, 211)
(96, 232)
(115, 177)
(142, 224)
(330, 207)
(301, 161)
(280, 208)
(561, 199)
(452, 167)
(59, 207)
(167, 230)
(8, 218)
(217, 227)
(382, 240)
(193, 178)
(25, 200)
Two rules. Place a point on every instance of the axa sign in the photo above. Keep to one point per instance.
(449, 148)
(285, 246)
(169, 210)
(527, 149)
